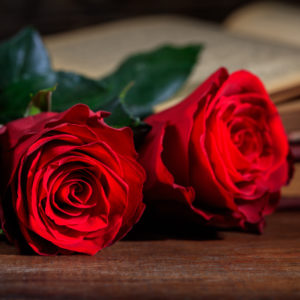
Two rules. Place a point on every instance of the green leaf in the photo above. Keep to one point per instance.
(129, 93)
(22, 57)
(156, 75)
(120, 116)
(32, 110)
(70, 90)
(73, 88)
(40, 102)
(15, 97)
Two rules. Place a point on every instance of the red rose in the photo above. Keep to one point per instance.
(71, 182)
(221, 154)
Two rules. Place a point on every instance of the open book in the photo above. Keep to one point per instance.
(96, 51)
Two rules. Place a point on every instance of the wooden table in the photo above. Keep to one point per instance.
(226, 265)
(230, 265)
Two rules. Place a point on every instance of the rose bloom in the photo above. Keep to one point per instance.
(220, 156)
(70, 183)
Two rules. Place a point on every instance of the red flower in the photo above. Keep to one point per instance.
(221, 154)
(70, 182)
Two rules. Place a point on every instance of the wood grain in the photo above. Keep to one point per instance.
(231, 265)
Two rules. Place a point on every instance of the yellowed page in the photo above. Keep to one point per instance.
(98, 50)
(293, 189)
(269, 21)
(290, 115)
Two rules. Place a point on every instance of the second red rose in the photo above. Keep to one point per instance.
(221, 154)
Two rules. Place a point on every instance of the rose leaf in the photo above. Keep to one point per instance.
(130, 93)
(40, 102)
(23, 56)
(157, 76)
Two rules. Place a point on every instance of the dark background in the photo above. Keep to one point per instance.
(51, 16)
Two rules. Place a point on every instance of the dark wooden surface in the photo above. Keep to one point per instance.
(230, 266)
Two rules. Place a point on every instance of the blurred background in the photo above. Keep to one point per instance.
(254, 35)
(52, 16)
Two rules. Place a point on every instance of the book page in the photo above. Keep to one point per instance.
(290, 115)
(98, 50)
(293, 190)
(269, 21)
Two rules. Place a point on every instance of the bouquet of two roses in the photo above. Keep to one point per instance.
(78, 177)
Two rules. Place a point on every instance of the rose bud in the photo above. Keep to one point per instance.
(219, 156)
(70, 183)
